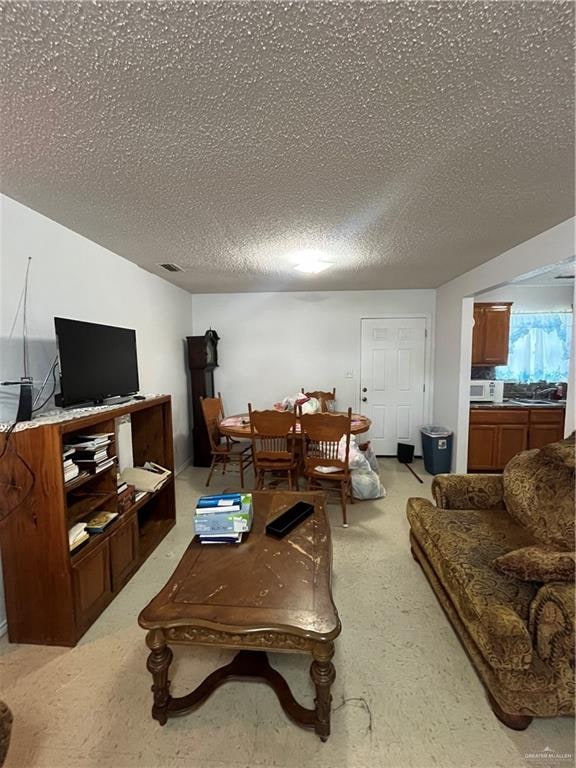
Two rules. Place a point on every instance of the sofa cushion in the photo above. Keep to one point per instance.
(562, 452)
(539, 494)
(461, 546)
(538, 563)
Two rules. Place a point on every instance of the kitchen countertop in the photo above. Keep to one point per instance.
(521, 404)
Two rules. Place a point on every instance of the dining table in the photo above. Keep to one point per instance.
(238, 426)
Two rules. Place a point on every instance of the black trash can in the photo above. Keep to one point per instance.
(437, 449)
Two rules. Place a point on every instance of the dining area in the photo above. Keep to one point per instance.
(300, 443)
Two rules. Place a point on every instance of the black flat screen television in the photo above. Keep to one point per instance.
(96, 361)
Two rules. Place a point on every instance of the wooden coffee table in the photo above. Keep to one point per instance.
(263, 594)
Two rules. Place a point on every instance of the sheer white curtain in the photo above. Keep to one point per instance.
(540, 345)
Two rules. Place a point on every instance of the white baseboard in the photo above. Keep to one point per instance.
(183, 466)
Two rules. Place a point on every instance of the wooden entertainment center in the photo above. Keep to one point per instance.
(54, 595)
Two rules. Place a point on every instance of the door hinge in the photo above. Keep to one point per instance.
(424, 388)
(425, 333)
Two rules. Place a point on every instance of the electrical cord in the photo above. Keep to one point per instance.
(8, 434)
(39, 395)
(38, 408)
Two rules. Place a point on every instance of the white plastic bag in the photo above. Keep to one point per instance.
(366, 485)
(308, 404)
(311, 405)
(368, 452)
(356, 459)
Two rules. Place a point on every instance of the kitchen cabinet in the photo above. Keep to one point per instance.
(546, 426)
(92, 584)
(124, 552)
(490, 334)
(482, 446)
(498, 434)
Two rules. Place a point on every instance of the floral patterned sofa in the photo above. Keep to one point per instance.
(498, 551)
(5, 730)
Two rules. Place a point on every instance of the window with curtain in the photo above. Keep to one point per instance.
(539, 347)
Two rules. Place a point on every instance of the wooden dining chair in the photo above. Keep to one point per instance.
(274, 440)
(321, 436)
(225, 451)
(327, 399)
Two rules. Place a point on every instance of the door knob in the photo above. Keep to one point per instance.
(364, 399)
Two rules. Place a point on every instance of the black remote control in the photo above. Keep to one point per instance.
(289, 519)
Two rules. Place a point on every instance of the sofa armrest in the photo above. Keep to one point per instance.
(5, 730)
(468, 491)
(552, 623)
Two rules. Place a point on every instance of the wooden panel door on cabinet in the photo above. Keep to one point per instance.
(490, 336)
(542, 434)
(546, 426)
(482, 446)
(512, 439)
(92, 584)
(124, 552)
(496, 334)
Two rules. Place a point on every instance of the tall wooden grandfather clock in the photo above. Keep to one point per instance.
(202, 359)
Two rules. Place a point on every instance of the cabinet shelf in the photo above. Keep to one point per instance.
(78, 481)
(83, 505)
(85, 477)
(151, 495)
(97, 538)
(150, 535)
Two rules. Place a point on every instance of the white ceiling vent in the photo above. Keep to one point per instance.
(171, 267)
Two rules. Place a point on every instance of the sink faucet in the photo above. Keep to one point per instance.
(543, 391)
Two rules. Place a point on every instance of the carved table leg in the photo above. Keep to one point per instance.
(323, 675)
(158, 664)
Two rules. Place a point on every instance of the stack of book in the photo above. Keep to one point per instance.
(71, 470)
(98, 523)
(90, 452)
(77, 535)
(223, 518)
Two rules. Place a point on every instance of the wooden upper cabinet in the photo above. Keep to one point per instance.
(491, 333)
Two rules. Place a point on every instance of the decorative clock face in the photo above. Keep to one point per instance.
(211, 341)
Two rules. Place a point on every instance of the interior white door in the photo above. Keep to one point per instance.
(393, 359)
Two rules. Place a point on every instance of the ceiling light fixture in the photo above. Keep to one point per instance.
(310, 261)
(313, 267)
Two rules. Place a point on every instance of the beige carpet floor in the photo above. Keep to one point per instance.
(405, 695)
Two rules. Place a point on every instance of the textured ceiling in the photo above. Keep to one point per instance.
(407, 141)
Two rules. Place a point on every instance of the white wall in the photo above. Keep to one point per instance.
(272, 344)
(454, 323)
(533, 298)
(74, 277)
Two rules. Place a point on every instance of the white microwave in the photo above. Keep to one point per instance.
(486, 391)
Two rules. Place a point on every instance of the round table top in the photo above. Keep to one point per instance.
(239, 425)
